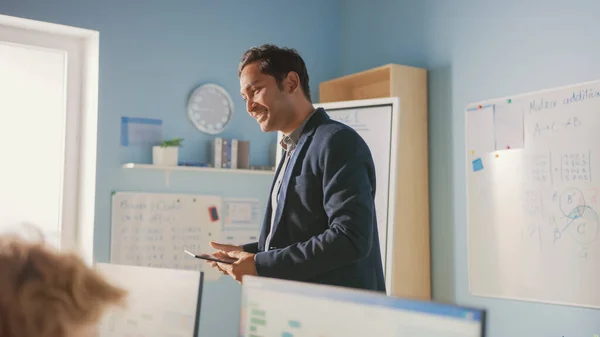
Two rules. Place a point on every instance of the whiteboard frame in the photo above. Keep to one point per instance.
(394, 102)
(484, 103)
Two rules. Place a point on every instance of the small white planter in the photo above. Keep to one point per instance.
(165, 156)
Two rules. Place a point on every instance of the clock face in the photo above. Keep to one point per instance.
(210, 108)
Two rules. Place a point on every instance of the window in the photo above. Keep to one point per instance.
(48, 110)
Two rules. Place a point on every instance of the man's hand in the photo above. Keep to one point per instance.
(225, 247)
(243, 266)
(222, 248)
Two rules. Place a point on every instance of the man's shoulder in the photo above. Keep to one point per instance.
(332, 133)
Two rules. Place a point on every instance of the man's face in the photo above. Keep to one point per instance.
(265, 101)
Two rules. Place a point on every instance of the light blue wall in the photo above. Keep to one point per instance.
(476, 50)
(153, 53)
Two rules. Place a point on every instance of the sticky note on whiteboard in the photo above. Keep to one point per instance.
(477, 165)
(509, 126)
(480, 130)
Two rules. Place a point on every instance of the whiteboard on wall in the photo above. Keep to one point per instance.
(372, 120)
(172, 310)
(153, 229)
(533, 196)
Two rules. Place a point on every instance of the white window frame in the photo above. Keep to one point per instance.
(79, 181)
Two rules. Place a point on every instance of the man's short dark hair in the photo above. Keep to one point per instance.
(277, 62)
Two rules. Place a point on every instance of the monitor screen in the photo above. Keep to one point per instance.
(160, 301)
(282, 308)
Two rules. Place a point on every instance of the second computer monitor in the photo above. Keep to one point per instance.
(272, 307)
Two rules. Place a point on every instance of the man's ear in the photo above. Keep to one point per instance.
(292, 82)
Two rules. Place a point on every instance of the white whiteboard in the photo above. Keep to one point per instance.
(172, 310)
(153, 229)
(533, 196)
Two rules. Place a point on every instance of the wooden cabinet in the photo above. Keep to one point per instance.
(408, 247)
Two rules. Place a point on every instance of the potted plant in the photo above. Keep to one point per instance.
(167, 153)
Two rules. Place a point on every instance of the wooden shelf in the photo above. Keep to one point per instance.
(389, 80)
(196, 169)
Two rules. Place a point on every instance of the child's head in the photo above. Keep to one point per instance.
(46, 293)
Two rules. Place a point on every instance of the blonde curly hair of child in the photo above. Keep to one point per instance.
(48, 293)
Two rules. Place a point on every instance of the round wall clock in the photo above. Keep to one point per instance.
(210, 108)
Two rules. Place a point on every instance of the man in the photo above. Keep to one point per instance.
(320, 223)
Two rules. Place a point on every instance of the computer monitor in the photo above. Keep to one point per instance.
(272, 307)
(160, 301)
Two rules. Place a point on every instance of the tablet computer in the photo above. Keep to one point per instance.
(210, 257)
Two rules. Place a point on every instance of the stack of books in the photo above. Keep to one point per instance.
(230, 153)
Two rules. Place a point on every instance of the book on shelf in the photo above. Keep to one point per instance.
(230, 153)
